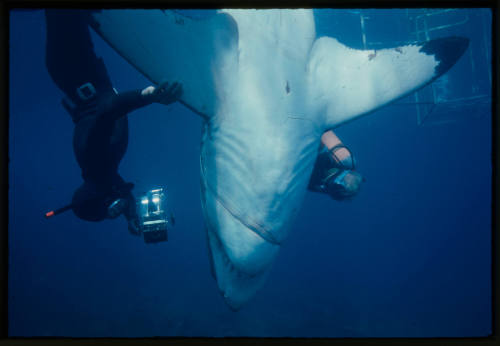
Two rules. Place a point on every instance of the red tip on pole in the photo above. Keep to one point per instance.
(49, 214)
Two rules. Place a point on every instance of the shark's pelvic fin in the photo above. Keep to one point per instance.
(167, 46)
(346, 83)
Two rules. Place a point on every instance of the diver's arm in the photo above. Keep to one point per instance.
(126, 102)
(118, 106)
(339, 152)
(164, 94)
(121, 104)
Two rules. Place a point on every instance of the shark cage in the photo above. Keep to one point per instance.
(464, 92)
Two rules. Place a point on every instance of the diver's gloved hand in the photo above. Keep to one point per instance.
(133, 226)
(116, 208)
(132, 217)
(133, 221)
(166, 93)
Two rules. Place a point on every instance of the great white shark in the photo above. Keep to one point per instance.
(268, 88)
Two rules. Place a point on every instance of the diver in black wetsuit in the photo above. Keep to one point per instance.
(99, 112)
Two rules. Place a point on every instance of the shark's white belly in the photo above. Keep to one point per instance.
(260, 172)
(257, 156)
(258, 153)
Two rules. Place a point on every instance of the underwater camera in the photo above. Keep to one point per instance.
(153, 217)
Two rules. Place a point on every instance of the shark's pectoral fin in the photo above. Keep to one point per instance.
(166, 46)
(345, 83)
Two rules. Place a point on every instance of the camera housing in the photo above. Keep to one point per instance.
(152, 216)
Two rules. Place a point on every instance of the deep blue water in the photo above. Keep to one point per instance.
(409, 256)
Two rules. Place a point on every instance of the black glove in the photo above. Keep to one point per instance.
(124, 190)
(134, 226)
(132, 217)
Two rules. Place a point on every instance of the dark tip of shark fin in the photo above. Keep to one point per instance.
(446, 50)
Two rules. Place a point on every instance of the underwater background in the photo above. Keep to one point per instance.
(410, 256)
